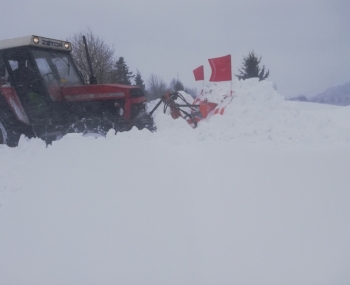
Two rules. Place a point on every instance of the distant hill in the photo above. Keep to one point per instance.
(339, 95)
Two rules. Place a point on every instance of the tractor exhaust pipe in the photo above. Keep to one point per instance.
(92, 78)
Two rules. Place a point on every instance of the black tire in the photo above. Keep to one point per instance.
(8, 136)
(3, 134)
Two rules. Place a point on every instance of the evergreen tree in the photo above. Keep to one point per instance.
(176, 85)
(250, 68)
(121, 73)
(138, 80)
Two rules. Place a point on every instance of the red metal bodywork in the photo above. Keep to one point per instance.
(103, 92)
(77, 93)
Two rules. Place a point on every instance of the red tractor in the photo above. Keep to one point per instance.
(42, 94)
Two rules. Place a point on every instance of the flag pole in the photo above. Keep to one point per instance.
(231, 92)
(201, 93)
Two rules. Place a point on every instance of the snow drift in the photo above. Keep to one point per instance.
(257, 114)
(259, 195)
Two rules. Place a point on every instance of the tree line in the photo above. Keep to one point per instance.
(110, 69)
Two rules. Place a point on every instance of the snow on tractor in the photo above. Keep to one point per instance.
(42, 94)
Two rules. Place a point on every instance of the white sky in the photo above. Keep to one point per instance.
(304, 43)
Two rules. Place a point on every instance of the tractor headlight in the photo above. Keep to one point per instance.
(36, 40)
(66, 45)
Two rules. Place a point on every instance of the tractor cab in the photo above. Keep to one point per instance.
(43, 89)
(36, 69)
(35, 63)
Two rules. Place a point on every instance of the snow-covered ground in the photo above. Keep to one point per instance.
(259, 195)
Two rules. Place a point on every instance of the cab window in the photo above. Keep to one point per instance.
(56, 68)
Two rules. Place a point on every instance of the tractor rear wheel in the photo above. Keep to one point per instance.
(9, 135)
(3, 134)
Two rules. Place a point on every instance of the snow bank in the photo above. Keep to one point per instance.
(259, 195)
(259, 115)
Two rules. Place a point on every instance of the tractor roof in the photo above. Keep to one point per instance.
(35, 41)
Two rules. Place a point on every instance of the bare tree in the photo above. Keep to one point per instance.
(102, 56)
(176, 85)
(156, 87)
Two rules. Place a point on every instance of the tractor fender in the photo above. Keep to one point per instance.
(11, 97)
(3, 134)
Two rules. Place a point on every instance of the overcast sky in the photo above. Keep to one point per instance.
(304, 43)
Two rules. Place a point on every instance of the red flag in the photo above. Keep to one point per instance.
(199, 73)
(221, 68)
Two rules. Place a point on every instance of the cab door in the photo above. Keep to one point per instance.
(25, 78)
(49, 74)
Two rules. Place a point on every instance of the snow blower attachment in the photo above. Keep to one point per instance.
(43, 94)
(192, 113)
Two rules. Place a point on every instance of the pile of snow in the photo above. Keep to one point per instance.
(259, 195)
(259, 115)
